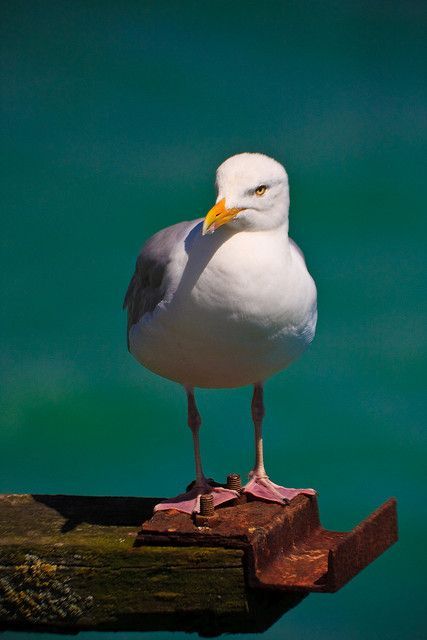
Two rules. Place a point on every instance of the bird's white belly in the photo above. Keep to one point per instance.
(227, 326)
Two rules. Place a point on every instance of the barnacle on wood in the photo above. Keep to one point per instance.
(36, 592)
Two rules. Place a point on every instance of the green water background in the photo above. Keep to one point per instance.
(116, 115)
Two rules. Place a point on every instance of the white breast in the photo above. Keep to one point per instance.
(240, 310)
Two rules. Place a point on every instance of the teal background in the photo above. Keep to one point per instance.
(116, 116)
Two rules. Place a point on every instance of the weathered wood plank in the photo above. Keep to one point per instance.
(70, 562)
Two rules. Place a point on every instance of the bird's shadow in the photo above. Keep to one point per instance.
(199, 250)
(98, 510)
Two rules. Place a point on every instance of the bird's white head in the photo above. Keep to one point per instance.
(253, 194)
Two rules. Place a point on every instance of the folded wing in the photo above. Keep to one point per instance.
(148, 284)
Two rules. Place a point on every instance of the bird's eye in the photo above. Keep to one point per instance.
(259, 191)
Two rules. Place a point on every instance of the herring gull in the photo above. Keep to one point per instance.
(225, 301)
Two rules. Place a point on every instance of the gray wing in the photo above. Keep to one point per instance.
(148, 287)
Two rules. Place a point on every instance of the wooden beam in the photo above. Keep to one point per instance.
(70, 563)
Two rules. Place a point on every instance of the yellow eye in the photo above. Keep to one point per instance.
(259, 191)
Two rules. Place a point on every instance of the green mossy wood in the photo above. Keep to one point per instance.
(69, 562)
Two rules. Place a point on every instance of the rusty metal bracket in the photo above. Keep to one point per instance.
(285, 546)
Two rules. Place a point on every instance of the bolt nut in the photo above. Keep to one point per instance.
(234, 482)
(207, 507)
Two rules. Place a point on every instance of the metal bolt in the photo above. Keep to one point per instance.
(234, 482)
(207, 507)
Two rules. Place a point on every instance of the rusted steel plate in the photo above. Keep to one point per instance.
(285, 546)
(363, 544)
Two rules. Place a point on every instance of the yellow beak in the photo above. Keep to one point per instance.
(218, 216)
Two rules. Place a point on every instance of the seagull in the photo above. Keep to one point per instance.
(223, 302)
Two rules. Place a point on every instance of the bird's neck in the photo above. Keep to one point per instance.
(281, 228)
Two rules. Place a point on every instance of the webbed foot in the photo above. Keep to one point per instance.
(260, 486)
(189, 502)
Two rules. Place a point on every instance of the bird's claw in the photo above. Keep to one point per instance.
(262, 488)
(189, 502)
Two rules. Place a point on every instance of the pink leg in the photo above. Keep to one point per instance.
(189, 501)
(260, 485)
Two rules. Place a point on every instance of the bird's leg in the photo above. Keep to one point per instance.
(260, 486)
(189, 502)
(194, 422)
(258, 412)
